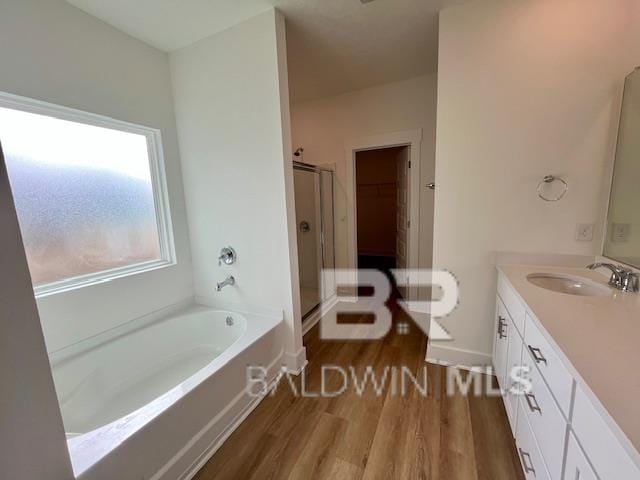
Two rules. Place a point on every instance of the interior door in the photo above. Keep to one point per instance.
(402, 209)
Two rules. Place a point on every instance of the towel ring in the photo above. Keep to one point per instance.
(550, 179)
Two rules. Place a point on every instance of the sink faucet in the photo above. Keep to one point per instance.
(621, 278)
(230, 280)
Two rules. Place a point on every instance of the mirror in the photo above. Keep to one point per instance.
(622, 242)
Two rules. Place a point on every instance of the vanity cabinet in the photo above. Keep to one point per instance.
(559, 433)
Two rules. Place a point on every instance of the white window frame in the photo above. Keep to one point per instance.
(158, 182)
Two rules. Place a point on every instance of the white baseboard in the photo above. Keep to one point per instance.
(295, 362)
(186, 463)
(450, 356)
(313, 319)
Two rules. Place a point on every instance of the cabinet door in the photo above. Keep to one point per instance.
(501, 344)
(601, 446)
(577, 466)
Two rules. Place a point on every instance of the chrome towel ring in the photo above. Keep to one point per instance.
(547, 180)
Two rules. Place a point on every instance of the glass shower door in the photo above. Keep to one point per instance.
(309, 230)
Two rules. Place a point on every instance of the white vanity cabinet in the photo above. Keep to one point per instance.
(559, 433)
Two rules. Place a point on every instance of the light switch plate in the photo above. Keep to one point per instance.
(584, 232)
(620, 232)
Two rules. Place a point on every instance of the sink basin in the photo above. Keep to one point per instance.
(568, 284)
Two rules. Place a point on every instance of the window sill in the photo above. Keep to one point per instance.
(104, 276)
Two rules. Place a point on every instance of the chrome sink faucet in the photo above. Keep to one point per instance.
(621, 278)
(230, 280)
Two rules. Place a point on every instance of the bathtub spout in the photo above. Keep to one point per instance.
(228, 281)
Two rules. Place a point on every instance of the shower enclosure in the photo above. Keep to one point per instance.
(314, 192)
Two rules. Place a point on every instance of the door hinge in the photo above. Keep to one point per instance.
(409, 163)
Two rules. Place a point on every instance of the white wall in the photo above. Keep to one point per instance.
(54, 52)
(31, 432)
(232, 113)
(323, 127)
(525, 89)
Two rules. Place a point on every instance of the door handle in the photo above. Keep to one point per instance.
(431, 186)
(304, 226)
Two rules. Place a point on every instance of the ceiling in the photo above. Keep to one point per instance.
(334, 46)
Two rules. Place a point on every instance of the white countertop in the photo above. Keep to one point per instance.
(599, 337)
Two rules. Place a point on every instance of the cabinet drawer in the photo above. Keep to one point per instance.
(512, 302)
(555, 374)
(577, 466)
(547, 422)
(528, 451)
(607, 455)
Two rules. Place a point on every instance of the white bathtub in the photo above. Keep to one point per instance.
(113, 389)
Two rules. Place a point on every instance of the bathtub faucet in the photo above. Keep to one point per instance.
(228, 281)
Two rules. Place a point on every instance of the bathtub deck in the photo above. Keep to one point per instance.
(370, 436)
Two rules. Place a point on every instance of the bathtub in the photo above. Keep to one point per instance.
(182, 376)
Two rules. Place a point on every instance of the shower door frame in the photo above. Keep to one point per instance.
(318, 170)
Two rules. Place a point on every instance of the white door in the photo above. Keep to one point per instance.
(402, 206)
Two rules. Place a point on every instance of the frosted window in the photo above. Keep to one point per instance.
(83, 194)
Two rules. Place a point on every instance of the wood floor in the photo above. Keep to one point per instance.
(370, 436)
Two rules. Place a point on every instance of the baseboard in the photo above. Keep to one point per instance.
(183, 465)
(458, 357)
(295, 362)
(313, 319)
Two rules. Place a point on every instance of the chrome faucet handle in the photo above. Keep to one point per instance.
(621, 278)
(616, 272)
(630, 281)
(227, 256)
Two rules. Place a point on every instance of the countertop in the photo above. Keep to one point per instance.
(599, 337)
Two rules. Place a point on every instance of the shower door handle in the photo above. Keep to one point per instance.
(304, 226)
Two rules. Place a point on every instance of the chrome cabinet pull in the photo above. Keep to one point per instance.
(532, 402)
(528, 468)
(537, 355)
(501, 326)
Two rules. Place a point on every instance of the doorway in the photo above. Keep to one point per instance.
(382, 209)
(407, 144)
